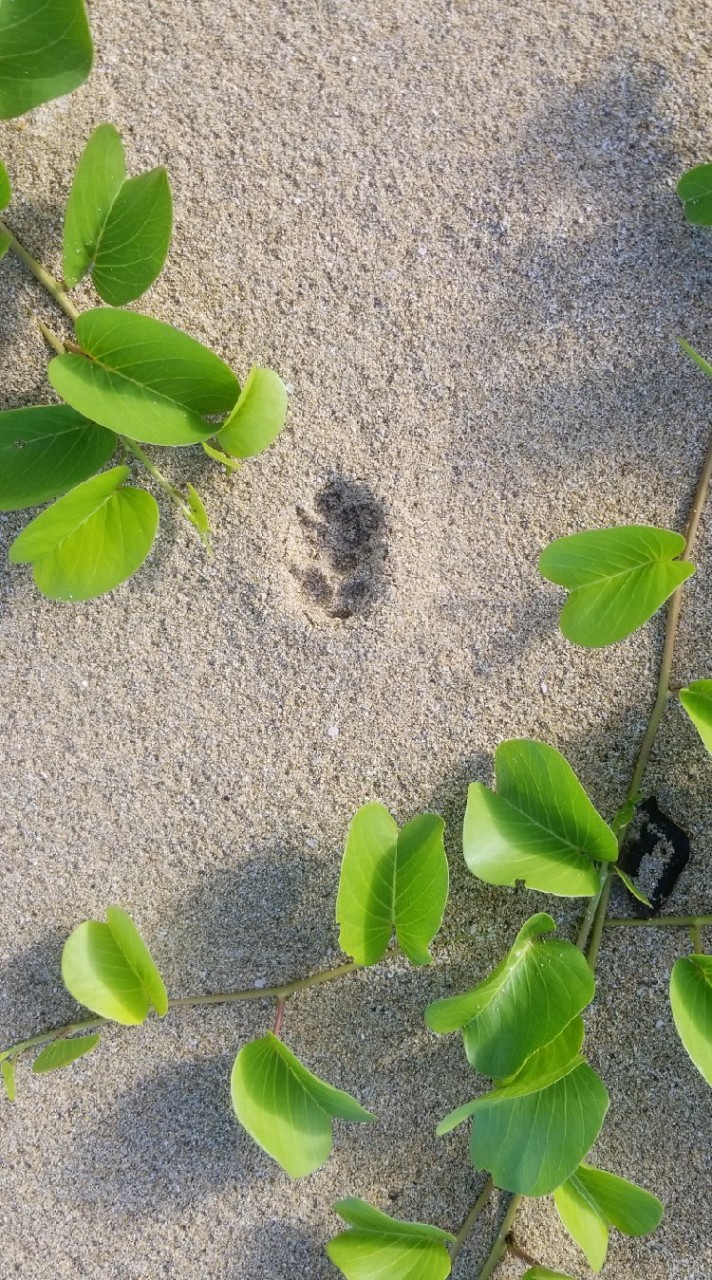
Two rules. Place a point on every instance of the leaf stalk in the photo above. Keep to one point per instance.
(48, 282)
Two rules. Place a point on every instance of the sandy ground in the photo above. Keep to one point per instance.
(451, 226)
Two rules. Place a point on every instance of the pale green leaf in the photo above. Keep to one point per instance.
(7, 1069)
(697, 701)
(258, 416)
(63, 1052)
(543, 1273)
(45, 450)
(540, 827)
(99, 176)
(549, 1062)
(377, 1245)
(90, 540)
(528, 999)
(695, 191)
(691, 1001)
(591, 1201)
(632, 887)
(287, 1110)
(143, 378)
(108, 968)
(5, 188)
(617, 579)
(230, 464)
(391, 879)
(198, 512)
(699, 360)
(45, 51)
(134, 243)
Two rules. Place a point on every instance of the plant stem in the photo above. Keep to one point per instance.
(51, 338)
(279, 1016)
(660, 922)
(520, 1253)
(500, 1243)
(696, 938)
(480, 1204)
(162, 481)
(48, 282)
(186, 1002)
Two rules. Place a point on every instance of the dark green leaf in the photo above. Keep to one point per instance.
(532, 995)
(46, 450)
(143, 379)
(63, 1052)
(45, 51)
(591, 1201)
(618, 578)
(100, 174)
(697, 701)
(134, 243)
(391, 878)
(695, 191)
(5, 188)
(691, 1001)
(7, 1069)
(258, 416)
(379, 1246)
(108, 968)
(540, 827)
(90, 540)
(287, 1110)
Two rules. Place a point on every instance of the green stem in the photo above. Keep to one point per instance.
(696, 938)
(162, 481)
(660, 922)
(281, 993)
(48, 282)
(480, 1204)
(500, 1243)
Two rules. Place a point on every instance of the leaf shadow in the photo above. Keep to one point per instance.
(32, 995)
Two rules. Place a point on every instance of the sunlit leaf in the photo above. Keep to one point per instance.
(591, 1201)
(697, 701)
(539, 827)
(45, 51)
(379, 1246)
(691, 1001)
(528, 999)
(134, 243)
(5, 188)
(7, 1071)
(391, 879)
(551, 1060)
(695, 191)
(108, 968)
(197, 510)
(632, 887)
(143, 378)
(98, 179)
(699, 360)
(46, 450)
(90, 540)
(287, 1110)
(230, 464)
(543, 1273)
(617, 579)
(63, 1052)
(258, 416)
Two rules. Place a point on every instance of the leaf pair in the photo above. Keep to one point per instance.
(378, 1245)
(45, 51)
(592, 1201)
(119, 227)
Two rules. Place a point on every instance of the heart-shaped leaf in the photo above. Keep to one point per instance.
(391, 879)
(691, 1001)
(258, 416)
(134, 243)
(695, 191)
(540, 827)
(63, 1052)
(618, 578)
(46, 450)
(143, 378)
(591, 1201)
(377, 1245)
(109, 968)
(5, 188)
(697, 701)
(532, 995)
(7, 1073)
(90, 540)
(287, 1110)
(100, 174)
(45, 51)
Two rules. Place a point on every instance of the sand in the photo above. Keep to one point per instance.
(451, 226)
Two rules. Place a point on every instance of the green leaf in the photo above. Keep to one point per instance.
(591, 1201)
(697, 701)
(63, 1052)
(632, 887)
(108, 968)
(5, 243)
(198, 511)
(391, 878)
(287, 1110)
(691, 1001)
(530, 997)
(550, 1061)
(532, 1132)
(540, 827)
(699, 360)
(90, 540)
(143, 378)
(134, 243)
(45, 51)
(7, 1069)
(378, 1245)
(543, 1273)
(99, 177)
(618, 578)
(695, 191)
(230, 464)
(5, 188)
(45, 450)
(258, 416)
